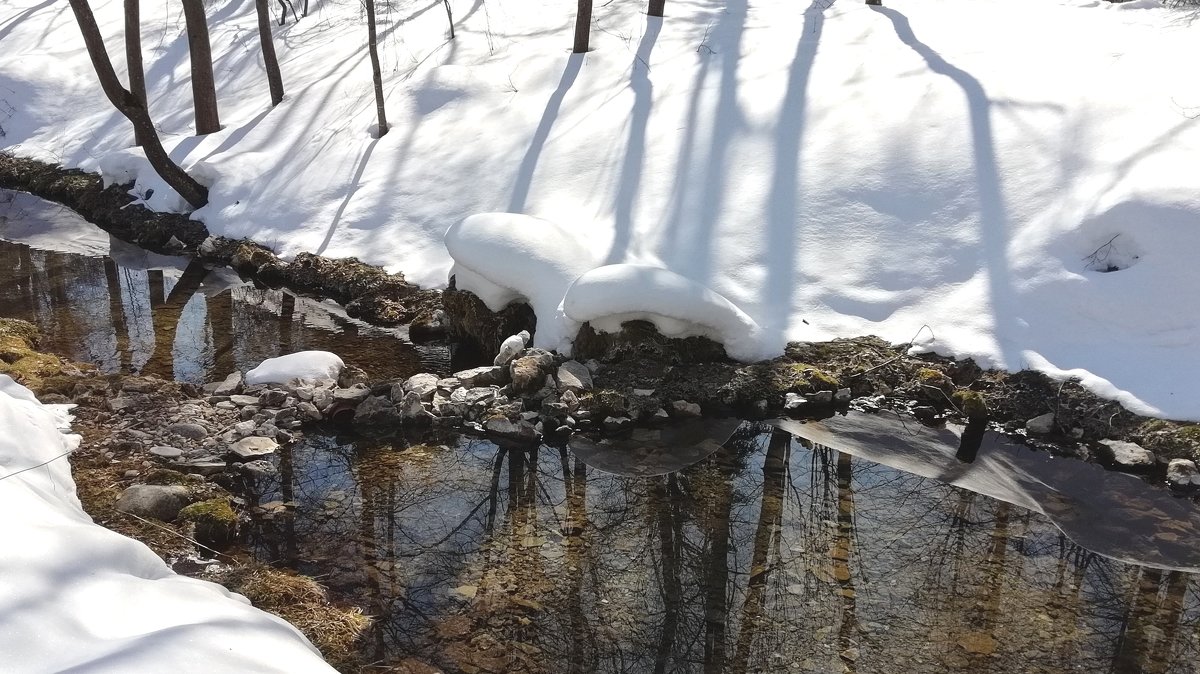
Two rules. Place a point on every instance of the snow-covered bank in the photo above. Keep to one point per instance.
(75, 596)
(831, 169)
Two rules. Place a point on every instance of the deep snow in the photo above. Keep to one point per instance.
(831, 169)
(75, 596)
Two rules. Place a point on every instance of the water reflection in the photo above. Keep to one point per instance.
(125, 310)
(773, 554)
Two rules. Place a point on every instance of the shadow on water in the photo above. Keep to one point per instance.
(771, 552)
(126, 310)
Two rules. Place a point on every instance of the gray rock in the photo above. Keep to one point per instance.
(353, 395)
(377, 412)
(322, 398)
(793, 402)
(163, 452)
(122, 403)
(842, 396)
(254, 447)
(242, 401)
(225, 405)
(528, 373)
(258, 469)
(309, 410)
(412, 410)
(571, 400)
(246, 427)
(352, 376)
(478, 396)
(574, 376)
(490, 375)
(272, 398)
(190, 431)
(1182, 474)
(231, 385)
(157, 501)
(1041, 425)
(822, 397)
(422, 384)
(683, 408)
(520, 431)
(1126, 455)
(444, 407)
(448, 384)
(661, 416)
(617, 424)
(201, 465)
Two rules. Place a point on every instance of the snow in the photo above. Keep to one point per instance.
(608, 296)
(301, 366)
(75, 596)
(831, 169)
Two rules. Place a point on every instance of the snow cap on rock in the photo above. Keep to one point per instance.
(302, 366)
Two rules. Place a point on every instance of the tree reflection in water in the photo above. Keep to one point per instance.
(771, 555)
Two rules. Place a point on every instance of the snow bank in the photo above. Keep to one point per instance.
(505, 257)
(608, 296)
(76, 596)
(302, 366)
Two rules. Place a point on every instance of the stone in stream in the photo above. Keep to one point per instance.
(157, 501)
(483, 376)
(1041, 425)
(617, 424)
(253, 447)
(683, 408)
(1182, 474)
(519, 431)
(422, 384)
(792, 402)
(528, 373)
(1127, 456)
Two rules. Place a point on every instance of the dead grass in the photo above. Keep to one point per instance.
(303, 602)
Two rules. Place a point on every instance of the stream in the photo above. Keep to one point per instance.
(855, 544)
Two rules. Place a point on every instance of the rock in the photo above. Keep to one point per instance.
(422, 384)
(267, 430)
(411, 410)
(377, 413)
(528, 373)
(571, 400)
(163, 452)
(659, 417)
(272, 398)
(448, 384)
(257, 469)
(122, 403)
(444, 407)
(203, 465)
(519, 431)
(157, 501)
(683, 408)
(490, 375)
(309, 410)
(1182, 474)
(792, 402)
(225, 405)
(427, 326)
(510, 347)
(322, 398)
(246, 427)
(822, 397)
(351, 377)
(214, 521)
(842, 396)
(574, 376)
(231, 385)
(617, 424)
(242, 401)
(1126, 455)
(254, 447)
(1043, 425)
(353, 395)
(188, 430)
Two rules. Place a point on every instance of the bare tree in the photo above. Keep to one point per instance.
(371, 42)
(270, 62)
(656, 7)
(204, 90)
(133, 57)
(583, 26)
(133, 109)
(449, 17)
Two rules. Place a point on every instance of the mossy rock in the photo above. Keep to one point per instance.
(604, 402)
(771, 380)
(971, 403)
(17, 332)
(214, 521)
(640, 339)
(468, 319)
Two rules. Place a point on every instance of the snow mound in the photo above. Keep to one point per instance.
(608, 296)
(302, 366)
(75, 596)
(506, 257)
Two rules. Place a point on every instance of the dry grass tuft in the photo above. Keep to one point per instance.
(303, 602)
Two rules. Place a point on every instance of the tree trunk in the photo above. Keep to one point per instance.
(274, 79)
(583, 26)
(449, 17)
(204, 90)
(133, 57)
(383, 125)
(656, 7)
(128, 104)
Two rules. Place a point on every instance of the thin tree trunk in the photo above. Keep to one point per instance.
(371, 41)
(583, 26)
(449, 17)
(204, 90)
(656, 7)
(274, 79)
(133, 57)
(133, 109)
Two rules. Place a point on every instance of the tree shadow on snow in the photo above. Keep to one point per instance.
(529, 163)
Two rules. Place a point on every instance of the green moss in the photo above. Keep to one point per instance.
(818, 379)
(165, 476)
(604, 402)
(215, 510)
(971, 403)
(24, 332)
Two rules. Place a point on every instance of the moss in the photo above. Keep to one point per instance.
(166, 476)
(604, 402)
(971, 403)
(214, 521)
(818, 379)
(18, 332)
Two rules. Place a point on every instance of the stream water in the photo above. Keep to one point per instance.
(842, 546)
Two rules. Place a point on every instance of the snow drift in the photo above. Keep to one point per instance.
(302, 366)
(75, 596)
